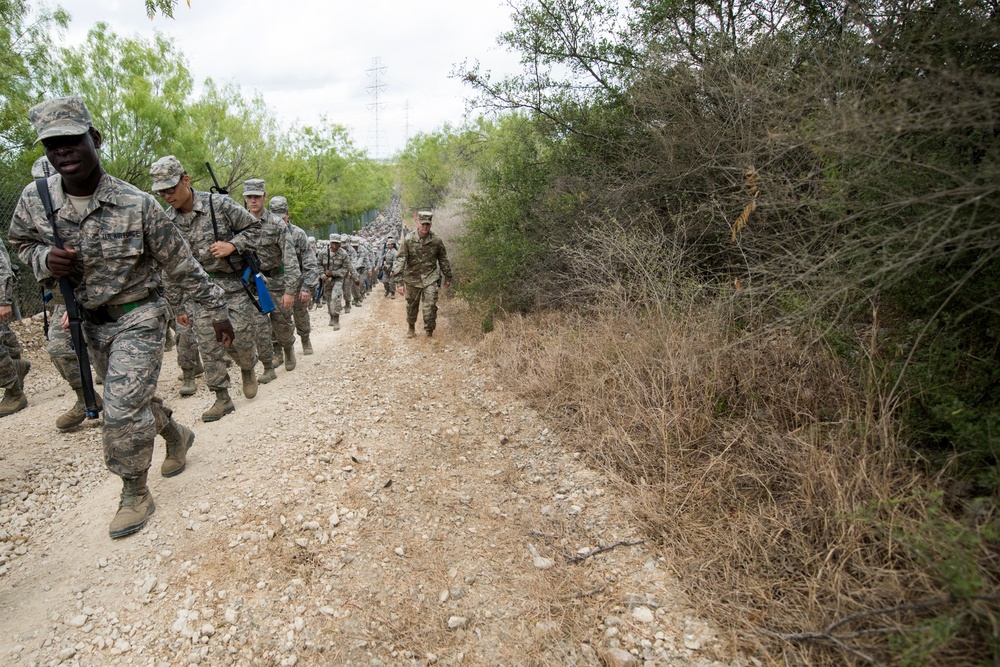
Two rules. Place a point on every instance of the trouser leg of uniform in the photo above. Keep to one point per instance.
(213, 355)
(131, 351)
(430, 298)
(8, 373)
(60, 349)
(412, 295)
(347, 288)
(9, 340)
(244, 316)
(281, 318)
(262, 338)
(300, 312)
(187, 348)
(333, 294)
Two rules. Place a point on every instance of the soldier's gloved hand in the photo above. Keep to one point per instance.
(60, 261)
(224, 333)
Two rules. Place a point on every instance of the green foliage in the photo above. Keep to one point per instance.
(25, 55)
(136, 92)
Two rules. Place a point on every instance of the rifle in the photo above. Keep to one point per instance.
(72, 309)
(264, 303)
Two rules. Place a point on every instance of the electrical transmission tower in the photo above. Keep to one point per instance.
(377, 73)
(406, 121)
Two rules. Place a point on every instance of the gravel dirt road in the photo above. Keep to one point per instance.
(385, 503)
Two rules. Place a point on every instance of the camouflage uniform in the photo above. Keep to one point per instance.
(236, 226)
(336, 268)
(308, 279)
(361, 267)
(123, 238)
(10, 348)
(387, 279)
(420, 263)
(351, 281)
(280, 267)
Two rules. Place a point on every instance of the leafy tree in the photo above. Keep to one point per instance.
(137, 93)
(25, 60)
(236, 134)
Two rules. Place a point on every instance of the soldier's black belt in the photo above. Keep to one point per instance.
(273, 273)
(108, 314)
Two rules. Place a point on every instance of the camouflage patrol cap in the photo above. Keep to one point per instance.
(425, 216)
(42, 168)
(279, 205)
(334, 238)
(166, 172)
(60, 117)
(253, 186)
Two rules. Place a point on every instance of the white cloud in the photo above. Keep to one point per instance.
(309, 58)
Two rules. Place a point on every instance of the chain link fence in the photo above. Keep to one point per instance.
(28, 298)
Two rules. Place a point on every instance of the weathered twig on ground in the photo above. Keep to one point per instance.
(578, 559)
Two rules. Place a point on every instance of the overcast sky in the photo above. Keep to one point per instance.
(309, 57)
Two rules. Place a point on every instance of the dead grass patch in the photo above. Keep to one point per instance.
(774, 480)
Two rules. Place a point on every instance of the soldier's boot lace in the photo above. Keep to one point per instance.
(134, 508)
(76, 414)
(267, 375)
(290, 358)
(249, 382)
(223, 406)
(188, 387)
(14, 399)
(307, 347)
(179, 440)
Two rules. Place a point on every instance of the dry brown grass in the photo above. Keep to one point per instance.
(774, 480)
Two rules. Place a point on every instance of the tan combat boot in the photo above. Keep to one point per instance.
(249, 382)
(76, 414)
(223, 406)
(335, 322)
(411, 332)
(179, 440)
(188, 388)
(307, 347)
(290, 358)
(14, 399)
(430, 332)
(134, 508)
(268, 374)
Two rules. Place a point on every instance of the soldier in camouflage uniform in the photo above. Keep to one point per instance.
(335, 267)
(217, 229)
(308, 273)
(280, 267)
(422, 261)
(350, 281)
(12, 367)
(117, 242)
(387, 260)
(361, 266)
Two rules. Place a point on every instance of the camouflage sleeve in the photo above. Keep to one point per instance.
(310, 266)
(246, 229)
(290, 259)
(30, 245)
(442, 257)
(6, 277)
(172, 253)
(399, 263)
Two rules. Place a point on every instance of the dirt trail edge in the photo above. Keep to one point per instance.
(385, 503)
